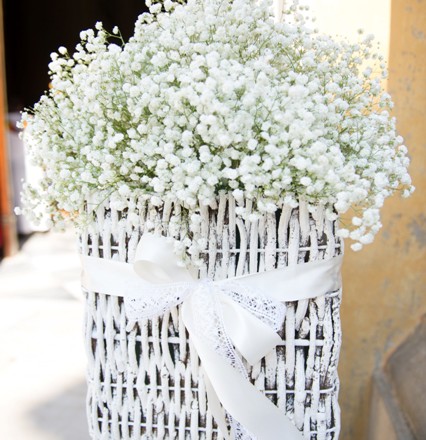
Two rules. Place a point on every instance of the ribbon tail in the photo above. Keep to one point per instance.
(240, 398)
(216, 408)
(252, 337)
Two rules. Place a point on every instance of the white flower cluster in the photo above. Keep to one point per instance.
(215, 95)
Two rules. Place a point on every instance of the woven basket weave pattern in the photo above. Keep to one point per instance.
(145, 383)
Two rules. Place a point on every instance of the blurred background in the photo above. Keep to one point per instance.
(383, 360)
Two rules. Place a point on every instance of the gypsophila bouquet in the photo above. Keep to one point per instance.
(215, 95)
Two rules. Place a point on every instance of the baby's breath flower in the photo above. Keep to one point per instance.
(210, 96)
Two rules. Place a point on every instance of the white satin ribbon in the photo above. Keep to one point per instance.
(242, 312)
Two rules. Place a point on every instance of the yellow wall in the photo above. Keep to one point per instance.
(385, 284)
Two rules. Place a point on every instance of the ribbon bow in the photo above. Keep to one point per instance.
(223, 318)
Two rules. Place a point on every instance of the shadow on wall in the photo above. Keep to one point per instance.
(64, 416)
(398, 404)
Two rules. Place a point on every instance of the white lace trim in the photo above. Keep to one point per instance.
(156, 300)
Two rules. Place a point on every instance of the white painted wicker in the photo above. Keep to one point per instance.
(144, 382)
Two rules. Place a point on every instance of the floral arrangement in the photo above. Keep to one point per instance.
(211, 96)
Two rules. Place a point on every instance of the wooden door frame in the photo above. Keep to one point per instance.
(7, 216)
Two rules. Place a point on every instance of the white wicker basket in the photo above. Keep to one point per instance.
(145, 383)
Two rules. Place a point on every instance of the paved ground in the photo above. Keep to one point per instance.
(42, 360)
